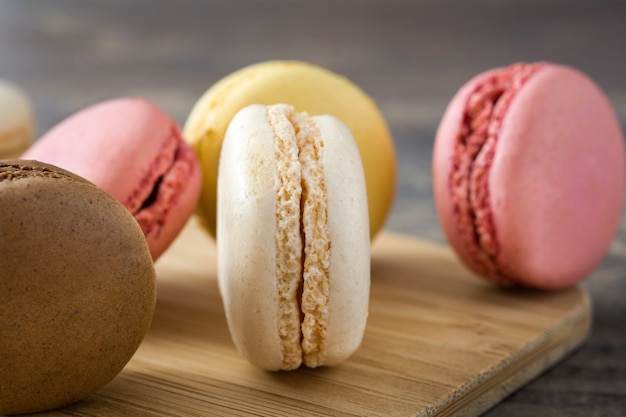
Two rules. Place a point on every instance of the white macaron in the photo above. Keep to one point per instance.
(292, 238)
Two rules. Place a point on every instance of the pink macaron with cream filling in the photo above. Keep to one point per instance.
(528, 171)
(134, 151)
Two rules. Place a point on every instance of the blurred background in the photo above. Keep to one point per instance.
(410, 56)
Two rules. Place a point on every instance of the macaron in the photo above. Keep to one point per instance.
(134, 151)
(77, 287)
(308, 88)
(17, 121)
(292, 238)
(528, 172)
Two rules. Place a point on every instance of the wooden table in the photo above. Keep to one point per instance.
(410, 56)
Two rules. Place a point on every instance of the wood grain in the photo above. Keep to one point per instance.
(438, 342)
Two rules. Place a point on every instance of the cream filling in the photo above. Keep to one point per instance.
(302, 240)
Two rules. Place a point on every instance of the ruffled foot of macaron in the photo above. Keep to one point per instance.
(528, 171)
(134, 151)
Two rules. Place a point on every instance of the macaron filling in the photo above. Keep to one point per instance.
(302, 240)
(473, 156)
(162, 184)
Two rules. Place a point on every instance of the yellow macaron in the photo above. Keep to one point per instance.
(308, 88)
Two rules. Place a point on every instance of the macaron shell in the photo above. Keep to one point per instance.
(309, 89)
(17, 124)
(123, 146)
(557, 180)
(350, 243)
(556, 183)
(246, 227)
(106, 143)
(77, 287)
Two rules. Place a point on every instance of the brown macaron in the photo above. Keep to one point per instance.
(77, 287)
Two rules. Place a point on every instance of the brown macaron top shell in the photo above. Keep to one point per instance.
(77, 287)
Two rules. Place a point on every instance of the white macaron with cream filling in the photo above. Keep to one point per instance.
(292, 238)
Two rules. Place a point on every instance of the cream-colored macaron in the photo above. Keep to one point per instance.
(292, 238)
(308, 88)
(16, 121)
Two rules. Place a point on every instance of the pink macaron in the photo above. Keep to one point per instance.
(134, 151)
(528, 171)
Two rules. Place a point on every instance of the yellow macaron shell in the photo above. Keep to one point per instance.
(308, 88)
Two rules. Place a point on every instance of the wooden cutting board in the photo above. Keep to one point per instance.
(439, 342)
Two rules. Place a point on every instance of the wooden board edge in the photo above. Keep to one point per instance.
(536, 357)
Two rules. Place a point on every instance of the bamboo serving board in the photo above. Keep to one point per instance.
(439, 342)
